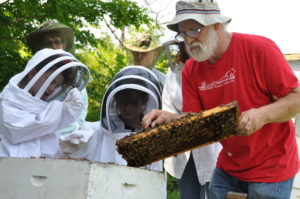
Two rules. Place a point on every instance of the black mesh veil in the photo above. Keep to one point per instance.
(135, 78)
(54, 63)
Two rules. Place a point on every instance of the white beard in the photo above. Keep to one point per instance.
(203, 51)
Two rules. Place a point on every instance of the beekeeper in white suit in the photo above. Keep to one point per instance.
(133, 92)
(30, 112)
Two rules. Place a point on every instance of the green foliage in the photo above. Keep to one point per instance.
(172, 188)
(163, 64)
(20, 17)
(103, 63)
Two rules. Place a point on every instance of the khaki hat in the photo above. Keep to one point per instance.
(142, 43)
(143, 49)
(34, 39)
(205, 13)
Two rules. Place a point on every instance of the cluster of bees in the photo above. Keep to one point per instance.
(189, 132)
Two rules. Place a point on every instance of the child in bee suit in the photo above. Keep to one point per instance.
(31, 114)
(133, 92)
(55, 35)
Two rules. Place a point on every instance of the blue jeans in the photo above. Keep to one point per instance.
(189, 186)
(222, 182)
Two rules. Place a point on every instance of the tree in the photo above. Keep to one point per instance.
(104, 63)
(20, 17)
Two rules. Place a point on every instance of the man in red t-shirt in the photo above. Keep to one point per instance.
(263, 159)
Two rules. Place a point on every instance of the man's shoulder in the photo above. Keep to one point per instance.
(191, 63)
(251, 43)
(191, 67)
(251, 39)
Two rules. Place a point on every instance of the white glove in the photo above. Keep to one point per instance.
(73, 142)
(72, 106)
(74, 99)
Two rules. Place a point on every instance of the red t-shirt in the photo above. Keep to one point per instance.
(250, 72)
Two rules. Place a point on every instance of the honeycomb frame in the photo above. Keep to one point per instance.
(184, 134)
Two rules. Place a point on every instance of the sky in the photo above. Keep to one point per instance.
(276, 19)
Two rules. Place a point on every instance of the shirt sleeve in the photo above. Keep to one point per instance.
(168, 103)
(277, 75)
(23, 125)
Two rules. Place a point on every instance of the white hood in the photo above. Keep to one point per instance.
(44, 60)
(113, 128)
(101, 144)
(29, 126)
(130, 77)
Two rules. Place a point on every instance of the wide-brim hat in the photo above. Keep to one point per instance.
(65, 32)
(142, 43)
(205, 13)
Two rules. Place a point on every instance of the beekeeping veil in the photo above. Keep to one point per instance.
(131, 77)
(76, 74)
(112, 127)
(29, 122)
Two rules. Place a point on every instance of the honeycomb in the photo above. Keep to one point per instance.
(186, 133)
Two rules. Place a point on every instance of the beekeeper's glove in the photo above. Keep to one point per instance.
(72, 106)
(73, 142)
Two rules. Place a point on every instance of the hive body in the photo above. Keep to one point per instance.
(191, 131)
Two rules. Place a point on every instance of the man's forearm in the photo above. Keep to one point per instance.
(282, 109)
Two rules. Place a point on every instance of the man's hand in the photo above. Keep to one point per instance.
(250, 121)
(157, 117)
(281, 110)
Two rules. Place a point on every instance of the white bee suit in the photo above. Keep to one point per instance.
(102, 145)
(131, 77)
(30, 126)
(205, 157)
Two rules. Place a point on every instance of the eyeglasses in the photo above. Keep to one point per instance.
(190, 33)
(49, 43)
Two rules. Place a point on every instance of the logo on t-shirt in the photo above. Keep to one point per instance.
(227, 78)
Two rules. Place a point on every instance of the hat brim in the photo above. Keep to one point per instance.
(205, 20)
(66, 33)
(136, 49)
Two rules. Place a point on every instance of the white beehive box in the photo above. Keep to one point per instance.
(22, 178)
